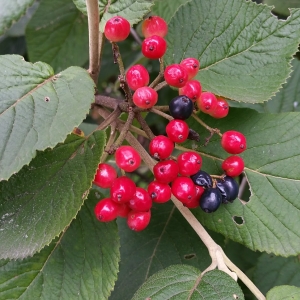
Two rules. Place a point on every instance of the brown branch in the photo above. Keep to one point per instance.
(144, 126)
(160, 75)
(161, 85)
(162, 114)
(106, 101)
(109, 119)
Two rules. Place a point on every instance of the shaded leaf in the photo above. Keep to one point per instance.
(41, 200)
(244, 50)
(81, 264)
(179, 281)
(284, 292)
(58, 35)
(35, 108)
(168, 240)
(12, 11)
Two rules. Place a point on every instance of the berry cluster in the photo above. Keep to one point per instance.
(181, 176)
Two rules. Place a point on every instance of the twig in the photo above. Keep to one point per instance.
(107, 101)
(160, 75)
(93, 24)
(111, 139)
(210, 129)
(162, 107)
(109, 119)
(135, 36)
(144, 125)
(161, 85)
(101, 45)
(160, 113)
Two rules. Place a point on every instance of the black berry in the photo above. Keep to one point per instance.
(210, 200)
(181, 107)
(203, 179)
(228, 188)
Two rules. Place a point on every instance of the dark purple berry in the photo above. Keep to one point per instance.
(228, 188)
(203, 179)
(210, 200)
(181, 107)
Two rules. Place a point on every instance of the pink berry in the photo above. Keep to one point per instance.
(161, 147)
(145, 97)
(123, 210)
(154, 47)
(122, 189)
(183, 188)
(192, 65)
(176, 75)
(137, 76)
(105, 175)
(138, 220)
(192, 89)
(177, 131)
(159, 192)
(221, 109)
(189, 163)
(141, 201)
(117, 29)
(233, 166)
(207, 102)
(165, 171)
(154, 25)
(195, 202)
(127, 158)
(233, 142)
(106, 210)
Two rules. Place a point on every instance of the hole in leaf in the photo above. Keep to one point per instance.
(47, 99)
(235, 296)
(97, 195)
(190, 256)
(244, 190)
(238, 220)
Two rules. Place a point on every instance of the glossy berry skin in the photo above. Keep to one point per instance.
(221, 110)
(176, 75)
(228, 188)
(145, 97)
(165, 171)
(106, 210)
(183, 189)
(161, 147)
(123, 210)
(138, 220)
(194, 203)
(177, 131)
(202, 178)
(154, 47)
(181, 107)
(137, 76)
(105, 175)
(122, 189)
(192, 65)
(207, 102)
(189, 163)
(159, 192)
(192, 89)
(154, 25)
(233, 165)
(210, 200)
(141, 201)
(127, 158)
(117, 29)
(233, 142)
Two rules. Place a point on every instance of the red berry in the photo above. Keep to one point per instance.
(177, 131)
(176, 75)
(137, 76)
(165, 171)
(161, 147)
(105, 175)
(145, 97)
(189, 163)
(207, 102)
(123, 210)
(106, 210)
(138, 220)
(183, 188)
(127, 158)
(192, 89)
(154, 47)
(192, 65)
(194, 203)
(233, 142)
(154, 25)
(141, 201)
(117, 29)
(233, 166)
(221, 109)
(159, 192)
(122, 189)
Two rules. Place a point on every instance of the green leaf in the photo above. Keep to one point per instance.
(58, 35)
(167, 8)
(42, 199)
(271, 271)
(12, 11)
(267, 221)
(168, 240)
(244, 50)
(81, 264)
(282, 7)
(35, 108)
(284, 292)
(180, 281)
